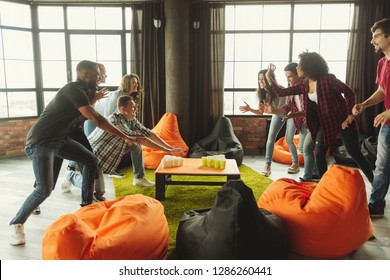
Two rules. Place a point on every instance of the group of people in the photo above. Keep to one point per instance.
(321, 107)
(316, 104)
(59, 134)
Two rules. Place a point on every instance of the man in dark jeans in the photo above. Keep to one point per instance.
(48, 143)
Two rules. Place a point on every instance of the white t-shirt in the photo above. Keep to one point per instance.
(313, 97)
(298, 102)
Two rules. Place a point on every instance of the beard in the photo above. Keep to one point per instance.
(377, 49)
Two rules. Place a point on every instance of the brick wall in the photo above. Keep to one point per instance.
(13, 136)
(252, 133)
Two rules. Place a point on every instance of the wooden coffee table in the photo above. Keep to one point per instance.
(193, 167)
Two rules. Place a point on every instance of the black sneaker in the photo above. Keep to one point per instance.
(376, 213)
(116, 174)
(36, 211)
(98, 198)
(316, 177)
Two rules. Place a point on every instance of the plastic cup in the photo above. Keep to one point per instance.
(222, 164)
(204, 161)
(210, 161)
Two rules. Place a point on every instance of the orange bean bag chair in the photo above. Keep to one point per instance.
(282, 152)
(329, 220)
(168, 129)
(131, 227)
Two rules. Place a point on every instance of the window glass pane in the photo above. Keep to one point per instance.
(81, 18)
(2, 76)
(307, 17)
(52, 46)
(20, 74)
(13, 14)
(229, 47)
(50, 17)
(228, 76)
(128, 48)
(247, 47)
(276, 17)
(13, 41)
(1, 44)
(248, 97)
(108, 47)
(248, 17)
(54, 74)
(334, 46)
(228, 103)
(245, 74)
(22, 104)
(338, 69)
(83, 47)
(108, 18)
(48, 96)
(114, 73)
(3, 105)
(229, 17)
(276, 46)
(336, 16)
(128, 18)
(303, 42)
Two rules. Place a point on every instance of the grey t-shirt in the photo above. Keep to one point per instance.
(60, 115)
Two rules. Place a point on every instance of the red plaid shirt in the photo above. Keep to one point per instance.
(332, 109)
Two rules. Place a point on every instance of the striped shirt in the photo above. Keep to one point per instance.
(110, 148)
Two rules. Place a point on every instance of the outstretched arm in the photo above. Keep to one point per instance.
(375, 98)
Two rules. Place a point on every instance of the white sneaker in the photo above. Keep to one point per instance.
(17, 236)
(143, 182)
(66, 185)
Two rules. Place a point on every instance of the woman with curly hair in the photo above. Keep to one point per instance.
(327, 104)
(265, 95)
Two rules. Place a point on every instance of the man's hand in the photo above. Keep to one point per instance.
(286, 116)
(382, 118)
(267, 108)
(176, 150)
(358, 108)
(347, 122)
(245, 108)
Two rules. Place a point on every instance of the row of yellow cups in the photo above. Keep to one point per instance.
(217, 161)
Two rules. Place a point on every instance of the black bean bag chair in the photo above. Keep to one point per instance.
(368, 148)
(234, 228)
(221, 141)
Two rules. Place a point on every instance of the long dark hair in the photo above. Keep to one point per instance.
(264, 94)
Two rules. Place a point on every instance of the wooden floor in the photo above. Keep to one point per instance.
(16, 179)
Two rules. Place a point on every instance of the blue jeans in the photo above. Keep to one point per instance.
(45, 158)
(77, 180)
(275, 126)
(137, 160)
(380, 185)
(308, 146)
(290, 133)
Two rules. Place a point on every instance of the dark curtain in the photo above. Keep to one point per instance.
(362, 59)
(206, 67)
(148, 60)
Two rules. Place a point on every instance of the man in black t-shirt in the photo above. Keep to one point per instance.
(48, 143)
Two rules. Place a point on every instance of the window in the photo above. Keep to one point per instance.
(37, 61)
(257, 35)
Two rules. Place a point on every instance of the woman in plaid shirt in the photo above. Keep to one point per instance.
(327, 103)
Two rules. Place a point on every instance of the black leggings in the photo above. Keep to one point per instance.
(351, 141)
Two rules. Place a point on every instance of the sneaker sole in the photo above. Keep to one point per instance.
(377, 215)
(293, 172)
(116, 176)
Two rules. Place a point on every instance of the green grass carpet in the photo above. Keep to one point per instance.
(180, 199)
